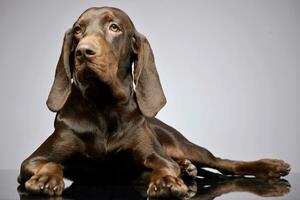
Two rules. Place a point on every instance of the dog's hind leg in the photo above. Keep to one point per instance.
(179, 148)
(264, 168)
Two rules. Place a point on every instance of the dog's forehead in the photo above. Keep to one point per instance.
(106, 14)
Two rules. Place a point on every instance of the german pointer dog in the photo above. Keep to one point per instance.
(106, 93)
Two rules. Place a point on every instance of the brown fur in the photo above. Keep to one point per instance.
(105, 128)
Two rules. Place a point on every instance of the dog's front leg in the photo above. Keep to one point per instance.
(42, 172)
(165, 178)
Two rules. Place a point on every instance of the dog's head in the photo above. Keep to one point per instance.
(100, 48)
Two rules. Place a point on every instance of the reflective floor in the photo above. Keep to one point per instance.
(201, 189)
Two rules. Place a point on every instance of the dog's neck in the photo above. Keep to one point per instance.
(117, 96)
(105, 115)
(114, 92)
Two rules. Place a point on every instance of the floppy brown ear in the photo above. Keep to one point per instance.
(149, 93)
(61, 87)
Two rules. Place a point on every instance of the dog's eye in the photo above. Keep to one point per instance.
(114, 27)
(77, 29)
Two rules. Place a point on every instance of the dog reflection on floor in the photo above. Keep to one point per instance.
(208, 188)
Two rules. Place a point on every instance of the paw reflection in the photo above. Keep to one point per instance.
(212, 188)
(198, 189)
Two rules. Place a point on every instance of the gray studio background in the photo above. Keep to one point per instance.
(230, 71)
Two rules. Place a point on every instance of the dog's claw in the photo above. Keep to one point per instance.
(45, 184)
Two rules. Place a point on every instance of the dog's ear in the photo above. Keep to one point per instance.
(149, 93)
(61, 87)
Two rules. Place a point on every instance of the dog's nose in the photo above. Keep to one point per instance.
(85, 50)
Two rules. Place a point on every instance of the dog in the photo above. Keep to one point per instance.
(106, 94)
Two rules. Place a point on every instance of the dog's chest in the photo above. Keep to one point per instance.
(93, 129)
(95, 146)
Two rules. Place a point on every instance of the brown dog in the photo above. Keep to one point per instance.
(105, 125)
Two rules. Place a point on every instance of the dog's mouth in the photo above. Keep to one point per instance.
(86, 76)
(91, 85)
(91, 76)
(98, 79)
(88, 72)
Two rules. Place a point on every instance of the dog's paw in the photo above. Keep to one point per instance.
(271, 168)
(187, 168)
(166, 187)
(45, 184)
(192, 189)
